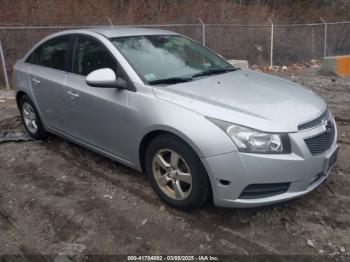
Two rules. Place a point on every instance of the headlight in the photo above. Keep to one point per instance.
(254, 141)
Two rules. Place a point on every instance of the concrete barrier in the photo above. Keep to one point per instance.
(339, 65)
(239, 63)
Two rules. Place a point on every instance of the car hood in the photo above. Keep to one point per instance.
(248, 98)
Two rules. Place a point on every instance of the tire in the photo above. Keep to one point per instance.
(31, 119)
(196, 191)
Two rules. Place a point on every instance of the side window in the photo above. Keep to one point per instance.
(90, 55)
(30, 58)
(52, 53)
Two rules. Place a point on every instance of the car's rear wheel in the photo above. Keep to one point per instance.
(31, 119)
(176, 173)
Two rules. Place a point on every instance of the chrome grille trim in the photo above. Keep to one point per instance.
(321, 143)
(316, 122)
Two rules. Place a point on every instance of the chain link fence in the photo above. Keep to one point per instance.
(291, 43)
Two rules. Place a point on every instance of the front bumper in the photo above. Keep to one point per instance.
(231, 173)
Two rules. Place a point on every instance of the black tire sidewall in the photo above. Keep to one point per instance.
(40, 133)
(200, 182)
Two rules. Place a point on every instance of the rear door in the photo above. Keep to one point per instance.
(47, 75)
(95, 115)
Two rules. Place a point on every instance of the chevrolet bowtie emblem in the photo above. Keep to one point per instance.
(329, 126)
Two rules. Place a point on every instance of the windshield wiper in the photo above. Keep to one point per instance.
(214, 71)
(176, 80)
(171, 80)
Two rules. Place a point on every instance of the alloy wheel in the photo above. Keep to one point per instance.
(172, 174)
(30, 118)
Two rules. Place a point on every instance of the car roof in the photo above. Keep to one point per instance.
(117, 31)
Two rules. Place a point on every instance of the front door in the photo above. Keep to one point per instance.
(95, 115)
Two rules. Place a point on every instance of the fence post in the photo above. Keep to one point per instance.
(110, 22)
(325, 37)
(313, 41)
(203, 30)
(271, 46)
(4, 67)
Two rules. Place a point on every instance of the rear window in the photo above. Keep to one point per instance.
(52, 54)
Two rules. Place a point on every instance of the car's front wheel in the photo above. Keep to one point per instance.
(176, 172)
(31, 119)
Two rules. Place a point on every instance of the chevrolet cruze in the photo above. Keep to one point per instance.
(165, 105)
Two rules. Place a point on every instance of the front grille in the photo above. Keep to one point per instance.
(323, 142)
(254, 191)
(316, 122)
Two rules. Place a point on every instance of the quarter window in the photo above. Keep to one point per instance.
(90, 55)
(52, 53)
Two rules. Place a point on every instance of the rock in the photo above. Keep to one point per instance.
(208, 237)
(188, 235)
(144, 222)
(321, 252)
(227, 243)
(75, 248)
(108, 196)
(342, 249)
(310, 243)
(162, 209)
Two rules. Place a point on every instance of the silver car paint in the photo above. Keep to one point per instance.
(248, 98)
(113, 122)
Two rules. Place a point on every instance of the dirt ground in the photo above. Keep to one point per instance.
(58, 198)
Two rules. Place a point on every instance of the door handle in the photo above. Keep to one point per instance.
(72, 94)
(35, 81)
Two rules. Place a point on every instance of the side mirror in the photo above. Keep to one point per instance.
(105, 77)
(121, 83)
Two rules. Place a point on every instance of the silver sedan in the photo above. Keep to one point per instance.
(165, 105)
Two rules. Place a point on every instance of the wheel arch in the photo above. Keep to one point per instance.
(152, 134)
(19, 95)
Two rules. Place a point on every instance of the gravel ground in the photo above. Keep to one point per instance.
(57, 198)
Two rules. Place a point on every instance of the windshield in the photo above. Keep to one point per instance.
(159, 57)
